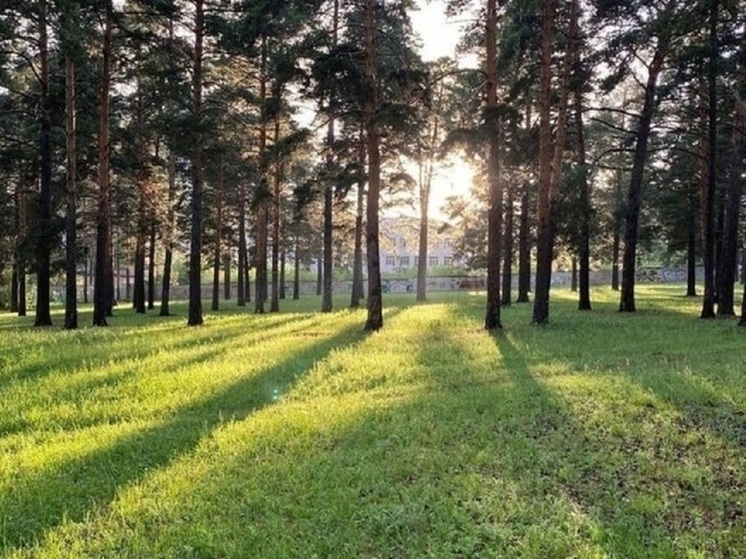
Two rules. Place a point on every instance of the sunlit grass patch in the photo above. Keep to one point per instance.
(298, 435)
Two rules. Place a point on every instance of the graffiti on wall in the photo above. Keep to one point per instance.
(654, 274)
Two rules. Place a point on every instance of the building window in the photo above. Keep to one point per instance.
(390, 261)
(433, 261)
(404, 262)
(447, 261)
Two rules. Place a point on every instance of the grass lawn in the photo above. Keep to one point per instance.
(296, 435)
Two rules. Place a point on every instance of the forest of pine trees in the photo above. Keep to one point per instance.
(241, 140)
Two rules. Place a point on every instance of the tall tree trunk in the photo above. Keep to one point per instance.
(296, 271)
(326, 299)
(102, 286)
(241, 288)
(691, 250)
(14, 288)
(274, 305)
(170, 231)
(708, 221)
(138, 298)
(151, 263)
(86, 275)
(735, 186)
(328, 265)
(524, 248)
(616, 236)
(375, 299)
(358, 287)
(195, 251)
(43, 316)
(426, 172)
(425, 179)
(262, 217)
(19, 270)
(217, 244)
(143, 209)
(118, 264)
(551, 166)
(544, 222)
(227, 276)
(283, 292)
(634, 194)
(71, 211)
(319, 275)
(494, 215)
(584, 246)
(247, 277)
(507, 276)
(22, 303)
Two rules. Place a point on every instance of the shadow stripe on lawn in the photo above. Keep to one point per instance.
(78, 487)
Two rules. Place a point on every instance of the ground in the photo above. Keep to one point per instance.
(299, 435)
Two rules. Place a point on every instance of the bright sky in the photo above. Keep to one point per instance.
(439, 38)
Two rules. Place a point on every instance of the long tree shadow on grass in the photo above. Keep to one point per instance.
(485, 464)
(78, 487)
(540, 449)
(606, 476)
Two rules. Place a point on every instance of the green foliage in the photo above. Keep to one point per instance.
(600, 436)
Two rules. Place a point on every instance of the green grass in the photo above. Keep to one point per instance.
(297, 435)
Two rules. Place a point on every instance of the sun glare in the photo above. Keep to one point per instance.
(454, 180)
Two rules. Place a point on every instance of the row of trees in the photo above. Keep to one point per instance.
(276, 129)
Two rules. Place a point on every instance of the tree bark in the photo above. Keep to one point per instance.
(138, 297)
(551, 172)
(102, 283)
(241, 288)
(616, 239)
(634, 194)
(274, 305)
(729, 266)
(358, 289)
(71, 211)
(227, 276)
(151, 264)
(426, 171)
(423, 240)
(507, 277)
(584, 246)
(13, 307)
(374, 320)
(169, 240)
(262, 217)
(545, 225)
(326, 299)
(43, 316)
(691, 253)
(708, 217)
(296, 271)
(524, 249)
(195, 251)
(86, 275)
(319, 275)
(283, 292)
(492, 319)
(217, 244)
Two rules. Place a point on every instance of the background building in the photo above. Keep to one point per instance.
(399, 238)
